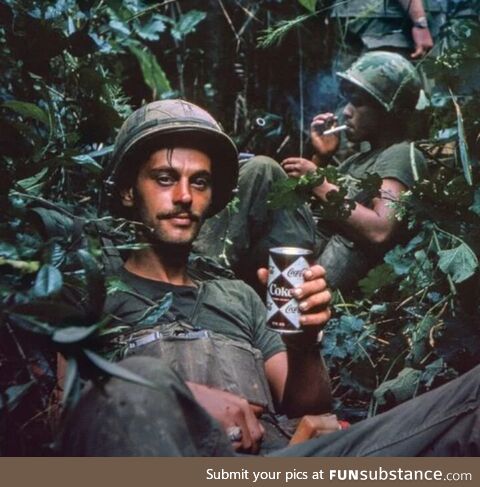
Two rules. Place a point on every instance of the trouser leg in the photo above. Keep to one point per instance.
(240, 237)
(127, 419)
(442, 422)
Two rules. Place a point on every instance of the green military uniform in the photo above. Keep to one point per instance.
(126, 419)
(384, 24)
(213, 334)
(345, 260)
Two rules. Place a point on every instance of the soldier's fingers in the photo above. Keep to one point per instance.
(315, 302)
(309, 288)
(419, 52)
(262, 275)
(314, 272)
(316, 319)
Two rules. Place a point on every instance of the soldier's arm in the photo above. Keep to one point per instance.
(421, 35)
(377, 224)
(298, 377)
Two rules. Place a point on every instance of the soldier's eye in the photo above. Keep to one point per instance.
(202, 182)
(164, 180)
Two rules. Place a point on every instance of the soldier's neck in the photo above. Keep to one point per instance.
(384, 140)
(157, 266)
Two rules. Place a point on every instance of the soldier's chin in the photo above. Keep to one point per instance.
(351, 136)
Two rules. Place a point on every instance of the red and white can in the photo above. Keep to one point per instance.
(286, 267)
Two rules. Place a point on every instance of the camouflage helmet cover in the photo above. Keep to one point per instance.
(170, 123)
(388, 77)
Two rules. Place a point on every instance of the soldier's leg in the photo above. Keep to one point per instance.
(442, 422)
(127, 419)
(240, 236)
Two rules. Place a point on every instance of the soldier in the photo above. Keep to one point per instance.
(172, 167)
(381, 90)
(207, 362)
(396, 25)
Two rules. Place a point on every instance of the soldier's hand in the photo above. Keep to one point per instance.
(313, 296)
(232, 411)
(422, 38)
(298, 166)
(325, 145)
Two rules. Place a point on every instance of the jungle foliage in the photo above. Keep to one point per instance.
(71, 71)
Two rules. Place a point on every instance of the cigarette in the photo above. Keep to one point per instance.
(335, 130)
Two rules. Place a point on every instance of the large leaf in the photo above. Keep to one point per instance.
(30, 324)
(116, 370)
(376, 279)
(459, 263)
(153, 75)
(187, 24)
(400, 389)
(308, 4)
(48, 282)
(74, 334)
(27, 110)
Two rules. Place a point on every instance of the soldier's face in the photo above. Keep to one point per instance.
(363, 117)
(172, 194)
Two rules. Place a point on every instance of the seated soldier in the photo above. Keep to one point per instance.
(381, 90)
(172, 167)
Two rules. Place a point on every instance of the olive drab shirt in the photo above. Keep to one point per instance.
(345, 260)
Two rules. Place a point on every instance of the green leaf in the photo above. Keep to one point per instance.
(88, 162)
(153, 75)
(48, 282)
(153, 314)
(14, 395)
(28, 267)
(462, 144)
(308, 4)
(71, 376)
(116, 370)
(459, 263)
(33, 184)
(377, 278)
(28, 110)
(31, 324)
(476, 203)
(74, 334)
(151, 30)
(187, 24)
(400, 389)
(115, 285)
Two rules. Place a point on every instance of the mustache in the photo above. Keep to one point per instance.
(176, 213)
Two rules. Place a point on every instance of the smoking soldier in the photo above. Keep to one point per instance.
(381, 90)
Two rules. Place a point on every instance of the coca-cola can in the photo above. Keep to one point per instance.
(286, 267)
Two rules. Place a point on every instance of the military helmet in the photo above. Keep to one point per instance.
(388, 77)
(170, 123)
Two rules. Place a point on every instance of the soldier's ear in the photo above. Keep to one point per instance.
(126, 196)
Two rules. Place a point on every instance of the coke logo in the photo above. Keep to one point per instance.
(297, 273)
(291, 308)
(279, 291)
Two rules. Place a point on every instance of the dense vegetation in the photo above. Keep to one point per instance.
(72, 70)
